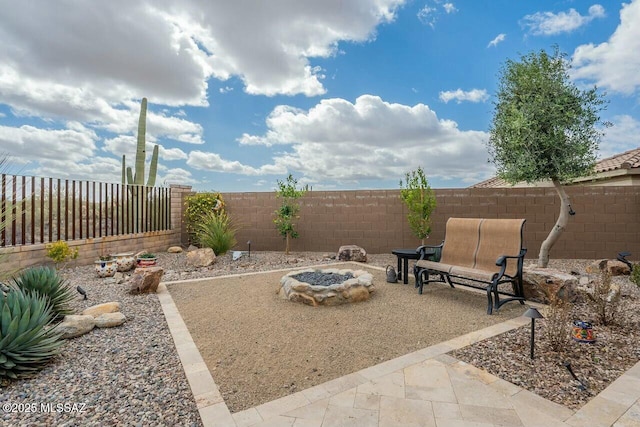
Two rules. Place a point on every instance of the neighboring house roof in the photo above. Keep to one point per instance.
(620, 163)
(627, 160)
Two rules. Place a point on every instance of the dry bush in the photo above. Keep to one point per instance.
(604, 299)
(557, 331)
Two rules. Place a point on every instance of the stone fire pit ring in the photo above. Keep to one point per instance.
(355, 289)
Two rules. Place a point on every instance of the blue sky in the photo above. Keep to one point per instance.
(343, 94)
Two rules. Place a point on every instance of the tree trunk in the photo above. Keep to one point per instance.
(558, 228)
(286, 250)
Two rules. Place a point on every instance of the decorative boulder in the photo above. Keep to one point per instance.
(97, 310)
(613, 266)
(174, 250)
(352, 253)
(145, 280)
(109, 320)
(75, 325)
(202, 257)
(538, 282)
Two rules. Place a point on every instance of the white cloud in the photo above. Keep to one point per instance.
(31, 144)
(93, 59)
(97, 169)
(449, 8)
(549, 23)
(499, 38)
(327, 142)
(177, 176)
(426, 15)
(226, 89)
(613, 64)
(270, 46)
(127, 145)
(620, 137)
(214, 162)
(459, 95)
(158, 125)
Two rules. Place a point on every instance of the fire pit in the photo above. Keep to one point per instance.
(326, 287)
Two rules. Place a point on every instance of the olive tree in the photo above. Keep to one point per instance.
(418, 196)
(289, 208)
(545, 128)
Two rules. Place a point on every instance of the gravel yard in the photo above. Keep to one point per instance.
(131, 375)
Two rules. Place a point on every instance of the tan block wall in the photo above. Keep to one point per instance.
(607, 219)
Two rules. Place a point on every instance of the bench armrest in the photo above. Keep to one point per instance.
(421, 249)
(503, 259)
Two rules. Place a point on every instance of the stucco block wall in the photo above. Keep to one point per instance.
(607, 219)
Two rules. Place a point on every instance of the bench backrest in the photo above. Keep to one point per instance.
(478, 242)
(461, 241)
(499, 237)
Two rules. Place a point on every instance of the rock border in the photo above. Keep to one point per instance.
(352, 290)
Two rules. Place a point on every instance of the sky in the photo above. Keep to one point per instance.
(342, 94)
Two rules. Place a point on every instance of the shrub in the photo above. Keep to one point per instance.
(49, 284)
(604, 299)
(147, 255)
(200, 205)
(27, 342)
(60, 252)
(215, 231)
(557, 329)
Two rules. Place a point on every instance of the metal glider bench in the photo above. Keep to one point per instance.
(484, 252)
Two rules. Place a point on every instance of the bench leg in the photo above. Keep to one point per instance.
(448, 280)
(489, 301)
(421, 275)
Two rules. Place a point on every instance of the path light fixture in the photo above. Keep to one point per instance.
(249, 244)
(533, 314)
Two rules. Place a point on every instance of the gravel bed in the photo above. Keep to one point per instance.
(595, 364)
(131, 375)
(128, 375)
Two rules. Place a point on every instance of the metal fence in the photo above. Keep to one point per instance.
(41, 210)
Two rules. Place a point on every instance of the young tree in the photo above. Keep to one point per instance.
(420, 201)
(545, 128)
(288, 212)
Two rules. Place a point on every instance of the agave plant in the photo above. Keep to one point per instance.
(48, 283)
(27, 342)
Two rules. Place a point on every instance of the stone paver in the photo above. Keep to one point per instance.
(424, 388)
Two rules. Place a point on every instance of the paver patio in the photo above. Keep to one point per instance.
(423, 388)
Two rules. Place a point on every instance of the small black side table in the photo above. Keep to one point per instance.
(404, 255)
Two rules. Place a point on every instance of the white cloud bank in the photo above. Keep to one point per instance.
(549, 23)
(91, 63)
(459, 95)
(338, 143)
(94, 54)
(613, 64)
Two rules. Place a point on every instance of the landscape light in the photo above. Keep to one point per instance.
(533, 314)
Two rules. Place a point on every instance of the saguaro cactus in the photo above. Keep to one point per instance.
(137, 178)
